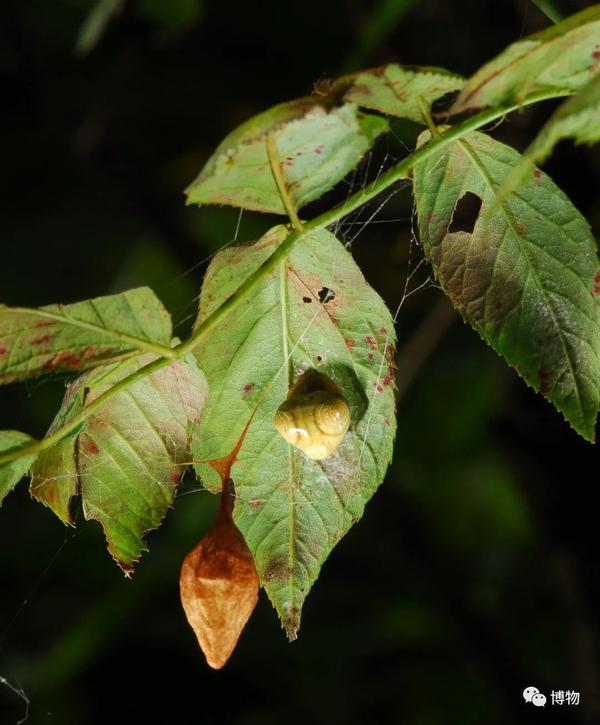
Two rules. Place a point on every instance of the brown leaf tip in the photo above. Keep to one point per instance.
(219, 589)
(291, 624)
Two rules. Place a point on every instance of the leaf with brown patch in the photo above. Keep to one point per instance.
(292, 509)
(524, 277)
(127, 458)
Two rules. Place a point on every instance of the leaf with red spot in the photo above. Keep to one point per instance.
(523, 272)
(54, 477)
(11, 473)
(563, 57)
(293, 510)
(127, 458)
(68, 338)
(316, 147)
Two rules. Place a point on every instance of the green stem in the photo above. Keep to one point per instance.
(400, 171)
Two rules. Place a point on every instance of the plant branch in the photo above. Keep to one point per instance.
(401, 171)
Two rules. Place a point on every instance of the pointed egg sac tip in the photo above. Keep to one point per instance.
(219, 589)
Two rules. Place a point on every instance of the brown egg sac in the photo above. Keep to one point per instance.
(219, 589)
(315, 417)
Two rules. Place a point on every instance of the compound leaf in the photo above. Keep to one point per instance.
(524, 273)
(315, 311)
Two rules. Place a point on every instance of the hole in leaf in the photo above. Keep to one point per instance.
(326, 295)
(466, 213)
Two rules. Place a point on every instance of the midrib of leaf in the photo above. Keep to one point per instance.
(149, 423)
(474, 158)
(147, 345)
(280, 183)
(287, 363)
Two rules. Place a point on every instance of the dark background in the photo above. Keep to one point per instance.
(473, 573)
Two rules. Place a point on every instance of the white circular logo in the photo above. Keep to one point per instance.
(529, 692)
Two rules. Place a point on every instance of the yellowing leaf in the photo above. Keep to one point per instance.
(315, 149)
(564, 57)
(128, 457)
(396, 89)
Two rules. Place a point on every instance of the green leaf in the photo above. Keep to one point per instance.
(395, 90)
(578, 118)
(315, 148)
(563, 58)
(11, 473)
(64, 338)
(526, 277)
(128, 458)
(314, 311)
